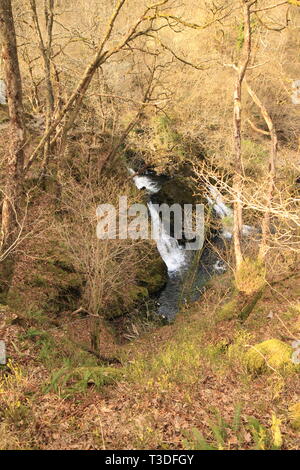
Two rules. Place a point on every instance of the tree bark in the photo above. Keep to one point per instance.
(15, 154)
(263, 248)
(237, 119)
(45, 46)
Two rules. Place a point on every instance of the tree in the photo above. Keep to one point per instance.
(10, 228)
(64, 121)
(240, 75)
(272, 171)
(45, 46)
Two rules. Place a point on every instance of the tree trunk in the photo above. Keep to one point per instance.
(45, 46)
(15, 154)
(237, 119)
(271, 174)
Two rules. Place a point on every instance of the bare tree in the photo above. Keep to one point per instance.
(241, 69)
(15, 156)
(64, 121)
(272, 171)
(45, 46)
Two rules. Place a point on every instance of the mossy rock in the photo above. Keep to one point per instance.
(137, 293)
(250, 277)
(126, 301)
(294, 415)
(177, 190)
(269, 355)
(153, 275)
(150, 279)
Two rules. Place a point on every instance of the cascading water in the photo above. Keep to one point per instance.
(185, 267)
(216, 201)
(171, 252)
(174, 255)
(182, 264)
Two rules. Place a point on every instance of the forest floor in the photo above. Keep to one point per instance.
(179, 386)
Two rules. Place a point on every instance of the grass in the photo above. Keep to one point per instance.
(176, 363)
(237, 433)
(69, 381)
(184, 385)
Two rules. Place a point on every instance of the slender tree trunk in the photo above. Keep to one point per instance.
(45, 46)
(238, 177)
(15, 154)
(237, 119)
(271, 173)
(49, 19)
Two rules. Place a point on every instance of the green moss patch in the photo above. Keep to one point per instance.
(270, 355)
(294, 415)
(250, 277)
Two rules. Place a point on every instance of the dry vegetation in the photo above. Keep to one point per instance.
(90, 365)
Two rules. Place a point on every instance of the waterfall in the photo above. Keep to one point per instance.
(216, 201)
(169, 249)
(145, 182)
(175, 256)
(187, 274)
(225, 213)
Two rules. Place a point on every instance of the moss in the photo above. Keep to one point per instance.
(50, 285)
(137, 293)
(15, 299)
(153, 275)
(250, 276)
(38, 281)
(255, 157)
(165, 131)
(250, 304)
(268, 355)
(228, 310)
(126, 301)
(294, 415)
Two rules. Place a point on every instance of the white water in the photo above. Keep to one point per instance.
(144, 182)
(176, 257)
(172, 254)
(220, 267)
(216, 201)
(169, 249)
